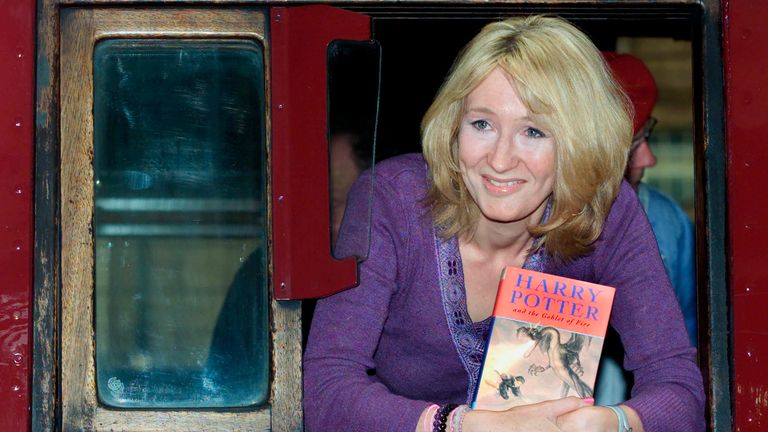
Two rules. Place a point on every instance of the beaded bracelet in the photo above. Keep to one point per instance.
(441, 417)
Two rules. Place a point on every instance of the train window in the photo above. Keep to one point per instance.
(353, 92)
(179, 224)
(680, 43)
(164, 222)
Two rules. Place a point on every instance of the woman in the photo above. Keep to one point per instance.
(524, 150)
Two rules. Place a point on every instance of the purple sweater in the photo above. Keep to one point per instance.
(380, 353)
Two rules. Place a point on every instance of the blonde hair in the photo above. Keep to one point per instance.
(564, 83)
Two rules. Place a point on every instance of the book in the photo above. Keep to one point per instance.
(545, 340)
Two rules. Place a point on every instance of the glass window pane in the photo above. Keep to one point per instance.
(353, 93)
(181, 302)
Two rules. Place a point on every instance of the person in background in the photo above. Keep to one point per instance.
(347, 160)
(671, 226)
(524, 152)
(233, 357)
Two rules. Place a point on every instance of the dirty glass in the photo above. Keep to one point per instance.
(181, 301)
(353, 96)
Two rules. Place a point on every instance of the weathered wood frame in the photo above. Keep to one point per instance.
(81, 29)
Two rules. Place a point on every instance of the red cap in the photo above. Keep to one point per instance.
(637, 82)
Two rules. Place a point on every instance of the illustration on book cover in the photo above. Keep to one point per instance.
(545, 342)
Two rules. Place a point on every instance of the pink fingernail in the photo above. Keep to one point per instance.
(589, 400)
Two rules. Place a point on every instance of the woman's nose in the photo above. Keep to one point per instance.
(642, 156)
(504, 155)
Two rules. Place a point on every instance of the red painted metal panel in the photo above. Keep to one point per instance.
(302, 262)
(17, 59)
(745, 38)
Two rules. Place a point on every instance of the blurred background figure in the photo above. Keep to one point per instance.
(347, 161)
(671, 225)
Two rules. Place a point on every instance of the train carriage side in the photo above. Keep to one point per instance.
(128, 225)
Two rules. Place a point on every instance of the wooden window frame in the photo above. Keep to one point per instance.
(81, 29)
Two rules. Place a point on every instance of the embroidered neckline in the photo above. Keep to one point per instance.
(469, 338)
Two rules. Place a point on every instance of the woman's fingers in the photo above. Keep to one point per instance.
(556, 408)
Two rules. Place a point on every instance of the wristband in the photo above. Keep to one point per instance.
(623, 421)
(457, 417)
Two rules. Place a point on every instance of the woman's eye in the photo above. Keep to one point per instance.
(532, 132)
(481, 125)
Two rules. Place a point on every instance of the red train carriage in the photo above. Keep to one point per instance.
(155, 255)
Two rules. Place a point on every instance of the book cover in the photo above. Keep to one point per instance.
(545, 340)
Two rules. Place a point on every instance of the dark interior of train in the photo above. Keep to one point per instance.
(418, 50)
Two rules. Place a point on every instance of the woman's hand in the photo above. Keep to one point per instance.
(597, 419)
(539, 417)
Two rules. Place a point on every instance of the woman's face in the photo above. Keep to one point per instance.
(506, 160)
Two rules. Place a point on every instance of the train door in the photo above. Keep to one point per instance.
(193, 207)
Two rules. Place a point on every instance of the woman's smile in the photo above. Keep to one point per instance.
(502, 186)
